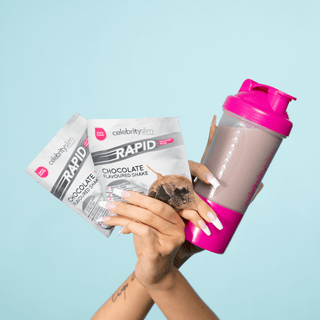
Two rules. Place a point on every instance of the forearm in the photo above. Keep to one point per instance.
(177, 299)
(131, 301)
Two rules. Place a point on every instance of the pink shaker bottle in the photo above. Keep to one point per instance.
(252, 127)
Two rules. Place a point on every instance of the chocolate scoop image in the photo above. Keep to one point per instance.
(175, 190)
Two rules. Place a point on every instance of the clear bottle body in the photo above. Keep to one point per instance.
(238, 157)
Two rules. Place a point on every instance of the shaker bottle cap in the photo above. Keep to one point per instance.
(263, 105)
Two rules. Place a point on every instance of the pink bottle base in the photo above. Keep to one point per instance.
(218, 241)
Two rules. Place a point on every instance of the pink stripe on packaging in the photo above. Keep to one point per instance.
(86, 143)
(218, 241)
(165, 141)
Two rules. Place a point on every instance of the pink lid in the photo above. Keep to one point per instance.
(263, 105)
(219, 239)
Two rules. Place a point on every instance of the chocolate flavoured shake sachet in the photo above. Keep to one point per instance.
(143, 155)
(65, 168)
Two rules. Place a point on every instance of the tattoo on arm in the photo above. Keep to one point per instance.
(123, 289)
(118, 294)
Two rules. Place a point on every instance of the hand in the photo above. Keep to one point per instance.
(213, 129)
(188, 249)
(203, 211)
(158, 234)
(201, 172)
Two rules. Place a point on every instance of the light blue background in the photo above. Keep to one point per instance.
(123, 59)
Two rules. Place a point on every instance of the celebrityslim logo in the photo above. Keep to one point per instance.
(143, 131)
(100, 134)
(67, 145)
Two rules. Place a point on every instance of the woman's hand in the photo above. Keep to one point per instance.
(201, 172)
(203, 212)
(158, 234)
(212, 131)
(188, 249)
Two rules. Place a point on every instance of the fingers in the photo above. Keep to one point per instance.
(261, 185)
(150, 228)
(115, 221)
(207, 213)
(203, 214)
(131, 226)
(196, 219)
(213, 128)
(145, 210)
(138, 214)
(200, 171)
(151, 240)
(146, 234)
(158, 207)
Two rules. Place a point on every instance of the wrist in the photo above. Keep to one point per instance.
(186, 251)
(167, 283)
(180, 259)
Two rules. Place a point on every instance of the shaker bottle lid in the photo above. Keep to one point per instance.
(263, 105)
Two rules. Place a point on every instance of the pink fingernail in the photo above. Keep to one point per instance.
(120, 231)
(103, 219)
(107, 205)
(125, 194)
(204, 228)
(210, 178)
(122, 193)
(215, 221)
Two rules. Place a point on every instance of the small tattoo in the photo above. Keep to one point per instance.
(123, 289)
(118, 294)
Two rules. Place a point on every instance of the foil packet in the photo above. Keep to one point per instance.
(144, 155)
(65, 168)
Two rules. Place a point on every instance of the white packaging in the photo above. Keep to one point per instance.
(65, 168)
(123, 151)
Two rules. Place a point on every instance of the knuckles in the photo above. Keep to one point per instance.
(173, 244)
(147, 232)
(190, 215)
(147, 217)
(194, 216)
(160, 207)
